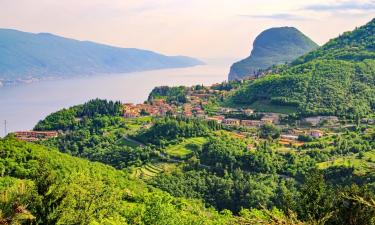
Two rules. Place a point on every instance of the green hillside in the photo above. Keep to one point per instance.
(42, 186)
(336, 79)
(273, 46)
(244, 176)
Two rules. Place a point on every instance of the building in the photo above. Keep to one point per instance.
(271, 118)
(158, 102)
(225, 110)
(130, 110)
(218, 119)
(248, 112)
(289, 137)
(35, 135)
(314, 121)
(187, 110)
(158, 108)
(316, 133)
(231, 122)
(251, 123)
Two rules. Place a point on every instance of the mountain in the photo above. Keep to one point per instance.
(24, 55)
(271, 47)
(335, 79)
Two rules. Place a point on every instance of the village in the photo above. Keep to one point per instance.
(237, 119)
(242, 122)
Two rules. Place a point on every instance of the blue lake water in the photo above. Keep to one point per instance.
(23, 106)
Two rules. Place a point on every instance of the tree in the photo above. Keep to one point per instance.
(269, 131)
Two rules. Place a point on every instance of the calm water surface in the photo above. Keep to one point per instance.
(23, 106)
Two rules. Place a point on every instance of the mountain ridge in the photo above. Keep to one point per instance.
(24, 54)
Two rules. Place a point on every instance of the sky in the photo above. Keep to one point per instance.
(198, 28)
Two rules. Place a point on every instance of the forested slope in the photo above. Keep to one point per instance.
(43, 186)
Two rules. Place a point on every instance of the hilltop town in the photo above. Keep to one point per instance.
(206, 103)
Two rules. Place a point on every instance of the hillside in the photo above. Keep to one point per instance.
(271, 47)
(47, 187)
(328, 178)
(24, 55)
(336, 79)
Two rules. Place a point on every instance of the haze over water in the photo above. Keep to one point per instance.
(23, 106)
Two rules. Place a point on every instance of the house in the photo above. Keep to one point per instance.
(130, 111)
(289, 137)
(218, 119)
(248, 112)
(231, 122)
(158, 102)
(35, 135)
(251, 123)
(271, 118)
(316, 133)
(314, 121)
(187, 110)
(225, 110)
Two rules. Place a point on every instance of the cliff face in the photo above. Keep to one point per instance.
(271, 47)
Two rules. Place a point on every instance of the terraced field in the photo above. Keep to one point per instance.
(151, 170)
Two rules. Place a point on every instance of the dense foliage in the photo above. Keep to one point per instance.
(229, 176)
(248, 177)
(170, 94)
(67, 119)
(336, 79)
(168, 130)
(94, 131)
(42, 186)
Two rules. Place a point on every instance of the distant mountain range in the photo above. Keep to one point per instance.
(26, 55)
(271, 47)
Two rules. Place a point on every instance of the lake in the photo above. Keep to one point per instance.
(23, 106)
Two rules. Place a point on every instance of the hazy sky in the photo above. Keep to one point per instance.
(200, 28)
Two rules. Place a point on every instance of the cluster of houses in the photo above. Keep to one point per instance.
(269, 118)
(314, 121)
(157, 107)
(31, 136)
(291, 137)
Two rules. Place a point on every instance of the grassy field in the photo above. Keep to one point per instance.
(185, 148)
(265, 106)
(361, 165)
